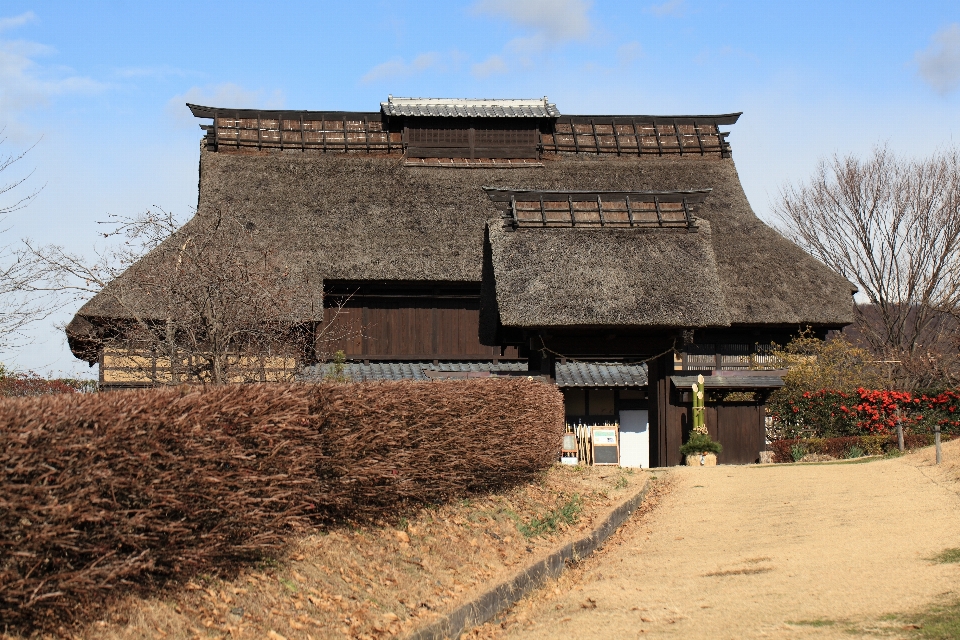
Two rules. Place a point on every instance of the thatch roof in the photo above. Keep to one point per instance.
(368, 217)
(620, 277)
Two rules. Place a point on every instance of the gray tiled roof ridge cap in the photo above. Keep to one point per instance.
(478, 102)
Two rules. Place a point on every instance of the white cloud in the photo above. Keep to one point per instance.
(398, 68)
(17, 21)
(674, 8)
(491, 66)
(939, 63)
(227, 95)
(544, 23)
(558, 20)
(27, 84)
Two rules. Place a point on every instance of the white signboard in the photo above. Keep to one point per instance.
(604, 437)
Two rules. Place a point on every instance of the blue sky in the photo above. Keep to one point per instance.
(101, 85)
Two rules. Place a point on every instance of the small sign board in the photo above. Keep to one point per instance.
(606, 449)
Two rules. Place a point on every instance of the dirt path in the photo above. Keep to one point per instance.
(782, 552)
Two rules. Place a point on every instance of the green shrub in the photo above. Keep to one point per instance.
(855, 452)
(873, 445)
(700, 443)
(797, 452)
(793, 450)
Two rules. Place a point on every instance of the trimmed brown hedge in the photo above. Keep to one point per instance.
(108, 494)
(840, 447)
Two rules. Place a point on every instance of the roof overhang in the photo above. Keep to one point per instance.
(733, 380)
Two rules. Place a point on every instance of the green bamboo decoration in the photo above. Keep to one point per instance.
(699, 410)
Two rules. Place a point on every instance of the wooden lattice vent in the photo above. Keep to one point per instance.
(472, 138)
(630, 209)
(640, 135)
(299, 130)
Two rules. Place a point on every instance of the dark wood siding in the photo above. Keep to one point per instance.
(419, 322)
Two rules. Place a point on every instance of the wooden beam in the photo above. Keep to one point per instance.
(303, 135)
(636, 133)
(366, 133)
(676, 131)
(686, 213)
(696, 129)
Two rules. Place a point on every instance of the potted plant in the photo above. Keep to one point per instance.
(700, 449)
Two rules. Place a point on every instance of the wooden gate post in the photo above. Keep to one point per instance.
(899, 432)
(936, 441)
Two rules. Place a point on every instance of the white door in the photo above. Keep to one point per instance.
(634, 439)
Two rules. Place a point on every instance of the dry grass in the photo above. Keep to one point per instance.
(371, 582)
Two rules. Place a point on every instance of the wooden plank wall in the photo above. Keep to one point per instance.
(739, 428)
(447, 329)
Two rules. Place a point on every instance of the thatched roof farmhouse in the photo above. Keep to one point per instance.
(609, 254)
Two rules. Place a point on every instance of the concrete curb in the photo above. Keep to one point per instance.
(505, 594)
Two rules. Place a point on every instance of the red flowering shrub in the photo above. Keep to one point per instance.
(831, 414)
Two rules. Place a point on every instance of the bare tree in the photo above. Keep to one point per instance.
(210, 301)
(892, 227)
(20, 305)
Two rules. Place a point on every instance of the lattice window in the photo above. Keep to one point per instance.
(431, 139)
(664, 209)
(727, 357)
(355, 132)
(628, 136)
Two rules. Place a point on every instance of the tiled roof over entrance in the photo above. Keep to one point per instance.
(569, 374)
(363, 372)
(601, 374)
(463, 108)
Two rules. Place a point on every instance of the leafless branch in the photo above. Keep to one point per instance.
(891, 226)
(20, 303)
(209, 301)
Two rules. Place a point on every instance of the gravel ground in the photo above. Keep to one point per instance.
(773, 551)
